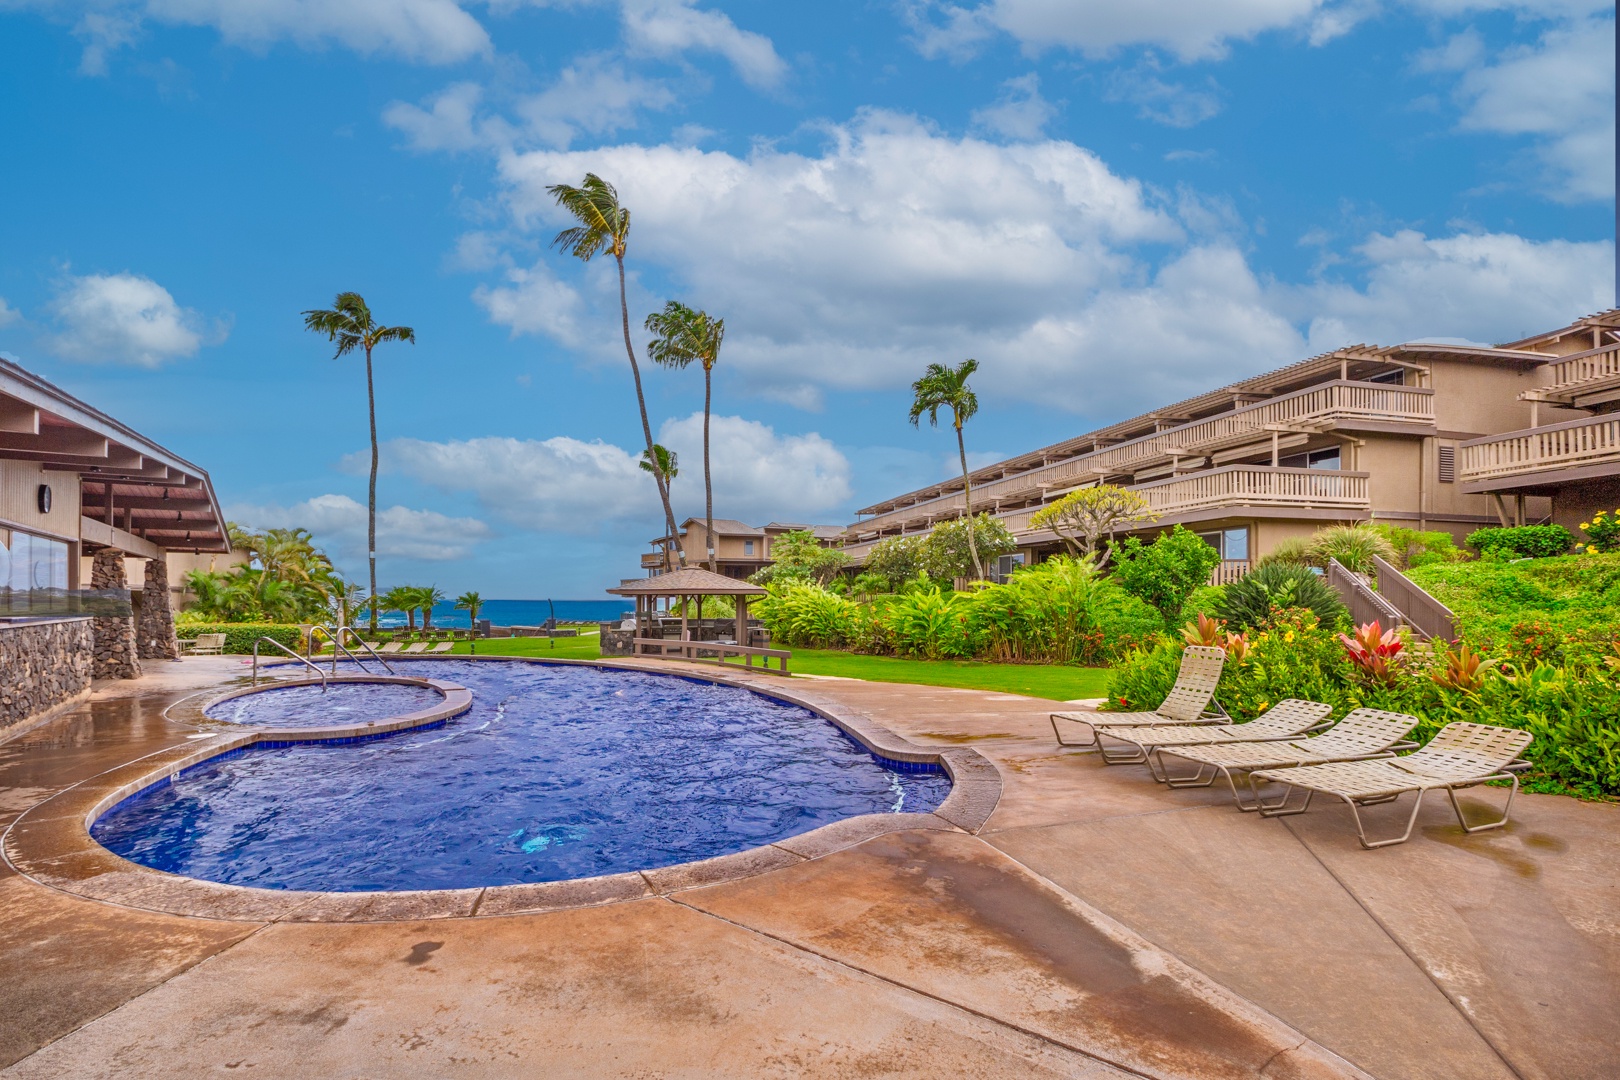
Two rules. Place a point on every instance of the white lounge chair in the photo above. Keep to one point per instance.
(391, 647)
(1189, 700)
(442, 647)
(1288, 719)
(1460, 755)
(418, 647)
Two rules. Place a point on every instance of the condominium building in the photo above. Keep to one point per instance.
(741, 550)
(1425, 435)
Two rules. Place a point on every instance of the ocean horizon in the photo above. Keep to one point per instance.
(522, 612)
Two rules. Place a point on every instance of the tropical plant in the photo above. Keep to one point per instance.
(1252, 599)
(1522, 542)
(1290, 549)
(1602, 532)
(1460, 669)
(943, 387)
(898, 559)
(1086, 516)
(287, 579)
(804, 614)
(1354, 546)
(404, 599)
(664, 465)
(800, 556)
(685, 336)
(472, 604)
(1375, 652)
(1061, 611)
(604, 225)
(932, 623)
(953, 547)
(350, 324)
(869, 583)
(1165, 572)
(1415, 548)
(426, 597)
(1204, 631)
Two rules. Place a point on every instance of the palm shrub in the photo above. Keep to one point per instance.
(1354, 546)
(1250, 601)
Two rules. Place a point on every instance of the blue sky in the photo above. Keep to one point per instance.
(1110, 206)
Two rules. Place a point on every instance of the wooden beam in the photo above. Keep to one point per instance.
(71, 441)
(18, 417)
(92, 531)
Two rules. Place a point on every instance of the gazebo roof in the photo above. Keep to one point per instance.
(690, 581)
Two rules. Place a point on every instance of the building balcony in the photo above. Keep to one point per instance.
(1583, 380)
(1340, 404)
(1550, 454)
(1255, 486)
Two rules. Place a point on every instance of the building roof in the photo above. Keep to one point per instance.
(690, 581)
(156, 494)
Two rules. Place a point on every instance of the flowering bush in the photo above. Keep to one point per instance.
(1602, 532)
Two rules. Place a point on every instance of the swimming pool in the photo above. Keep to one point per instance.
(556, 772)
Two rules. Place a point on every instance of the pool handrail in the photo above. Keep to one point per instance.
(366, 645)
(313, 667)
(335, 636)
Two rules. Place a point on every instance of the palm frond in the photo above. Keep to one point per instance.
(603, 223)
(393, 333)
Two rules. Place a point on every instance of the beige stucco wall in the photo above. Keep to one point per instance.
(19, 507)
(1481, 398)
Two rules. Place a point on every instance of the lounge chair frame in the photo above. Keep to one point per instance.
(1190, 701)
(1291, 718)
(1363, 735)
(1461, 755)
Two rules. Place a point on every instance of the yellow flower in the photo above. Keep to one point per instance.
(1591, 549)
(1289, 636)
(1264, 705)
(1586, 525)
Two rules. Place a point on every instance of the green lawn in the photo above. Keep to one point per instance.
(1057, 682)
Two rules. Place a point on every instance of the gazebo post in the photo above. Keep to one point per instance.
(686, 635)
(742, 620)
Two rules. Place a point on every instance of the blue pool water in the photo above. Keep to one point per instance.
(556, 772)
(340, 705)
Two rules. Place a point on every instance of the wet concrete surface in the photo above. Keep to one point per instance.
(1095, 918)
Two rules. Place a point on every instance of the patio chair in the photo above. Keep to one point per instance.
(1460, 755)
(204, 645)
(418, 647)
(1189, 701)
(1363, 734)
(443, 647)
(392, 646)
(1288, 719)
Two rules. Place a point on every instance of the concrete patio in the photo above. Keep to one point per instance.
(1097, 925)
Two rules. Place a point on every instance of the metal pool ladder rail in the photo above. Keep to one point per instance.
(336, 638)
(290, 653)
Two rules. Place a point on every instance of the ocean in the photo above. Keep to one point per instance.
(523, 612)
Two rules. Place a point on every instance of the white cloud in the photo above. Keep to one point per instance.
(535, 302)
(1191, 29)
(1484, 287)
(758, 474)
(1169, 103)
(565, 485)
(1559, 91)
(669, 27)
(8, 314)
(1020, 112)
(127, 319)
(429, 31)
(450, 122)
(339, 522)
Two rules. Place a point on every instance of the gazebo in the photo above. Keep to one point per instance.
(687, 582)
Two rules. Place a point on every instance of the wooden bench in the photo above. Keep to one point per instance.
(203, 645)
(689, 650)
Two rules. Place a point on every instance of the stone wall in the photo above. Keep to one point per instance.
(114, 652)
(42, 664)
(156, 639)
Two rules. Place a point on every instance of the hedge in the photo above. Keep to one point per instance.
(1523, 541)
(239, 637)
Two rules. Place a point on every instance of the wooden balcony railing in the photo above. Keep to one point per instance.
(1584, 369)
(1229, 570)
(1257, 485)
(1338, 400)
(1594, 440)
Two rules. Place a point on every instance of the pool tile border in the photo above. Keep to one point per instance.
(50, 843)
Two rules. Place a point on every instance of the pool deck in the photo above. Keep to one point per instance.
(1096, 925)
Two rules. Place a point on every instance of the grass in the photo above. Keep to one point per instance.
(1054, 681)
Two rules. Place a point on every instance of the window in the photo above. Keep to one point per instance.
(1393, 378)
(1004, 567)
(748, 547)
(1317, 459)
(1448, 464)
(1233, 544)
(29, 563)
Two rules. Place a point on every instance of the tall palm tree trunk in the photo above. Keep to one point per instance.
(371, 490)
(967, 503)
(708, 480)
(646, 427)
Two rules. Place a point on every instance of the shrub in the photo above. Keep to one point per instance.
(1522, 541)
(1415, 548)
(1166, 572)
(1290, 549)
(1602, 532)
(808, 615)
(1354, 546)
(239, 637)
(1553, 610)
(932, 624)
(946, 556)
(1251, 600)
(898, 559)
(1062, 611)
(799, 556)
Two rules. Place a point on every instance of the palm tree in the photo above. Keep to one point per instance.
(664, 464)
(401, 598)
(349, 323)
(427, 596)
(685, 335)
(939, 388)
(472, 604)
(605, 225)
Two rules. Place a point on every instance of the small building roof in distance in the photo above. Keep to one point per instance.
(690, 581)
(726, 527)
